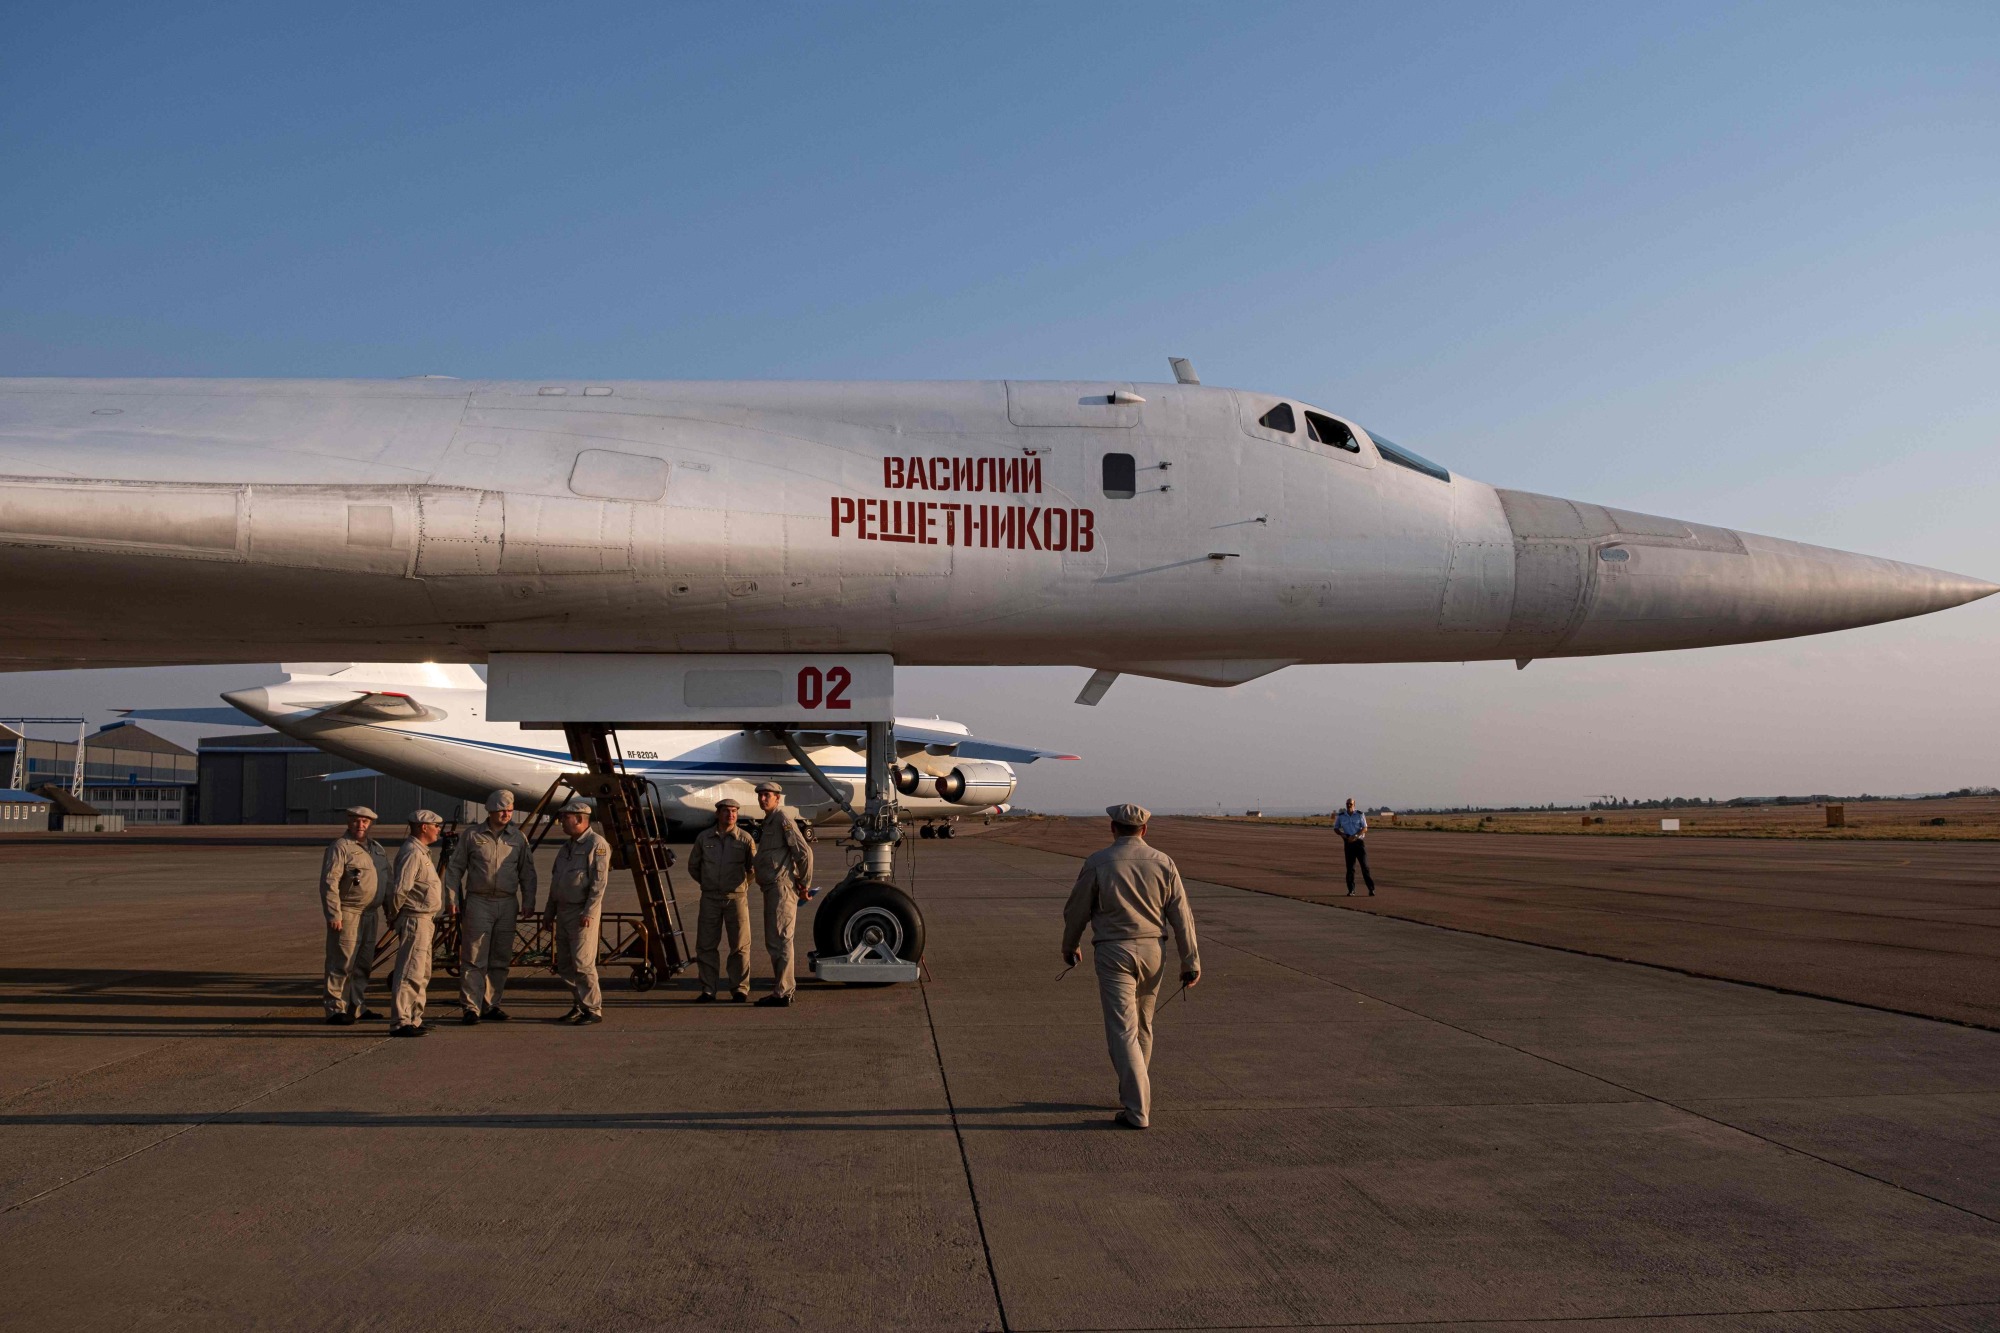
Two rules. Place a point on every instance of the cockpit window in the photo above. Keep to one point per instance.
(1410, 459)
(1280, 418)
(1326, 430)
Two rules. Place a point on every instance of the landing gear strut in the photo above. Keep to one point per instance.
(867, 929)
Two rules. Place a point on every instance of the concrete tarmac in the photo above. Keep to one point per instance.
(1906, 925)
(1360, 1122)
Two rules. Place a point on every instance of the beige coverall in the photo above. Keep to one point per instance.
(415, 897)
(492, 878)
(784, 864)
(1131, 896)
(576, 890)
(351, 875)
(722, 865)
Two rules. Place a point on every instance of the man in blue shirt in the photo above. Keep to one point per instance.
(1352, 826)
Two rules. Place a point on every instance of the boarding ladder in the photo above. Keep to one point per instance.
(629, 817)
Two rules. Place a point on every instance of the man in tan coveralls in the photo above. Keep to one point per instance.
(351, 876)
(576, 903)
(1131, 896)
(722, 865)
(784, 874)
(415, 897)
(492, 879)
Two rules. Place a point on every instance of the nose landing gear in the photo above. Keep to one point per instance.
(867, 930)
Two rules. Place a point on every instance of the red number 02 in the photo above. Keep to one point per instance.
(828, 688)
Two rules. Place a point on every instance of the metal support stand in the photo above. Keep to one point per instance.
(847, 690)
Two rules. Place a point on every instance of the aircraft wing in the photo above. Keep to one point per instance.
(911, 739)
(347, 773)
(208, 717)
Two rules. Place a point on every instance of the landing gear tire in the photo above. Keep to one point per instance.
(830, 908)
(927, 831)
(868, 912)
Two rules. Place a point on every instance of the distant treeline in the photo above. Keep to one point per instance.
(1693, 802)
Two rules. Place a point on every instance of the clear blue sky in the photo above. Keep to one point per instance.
(1733, 263)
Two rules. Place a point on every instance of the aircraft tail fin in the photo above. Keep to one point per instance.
(437, 675)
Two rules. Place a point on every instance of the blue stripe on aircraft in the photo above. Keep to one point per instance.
(658, 767)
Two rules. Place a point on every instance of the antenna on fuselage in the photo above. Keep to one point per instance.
(1183, 370)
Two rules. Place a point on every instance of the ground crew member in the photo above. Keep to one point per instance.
(352, 875)
(576, 906)
(414, 899)
(1352, 826)
(723, 863)
(1130, 895)
(492, 879)
(784, 867)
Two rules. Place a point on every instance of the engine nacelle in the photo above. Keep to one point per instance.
(976, 782)
(908, 779)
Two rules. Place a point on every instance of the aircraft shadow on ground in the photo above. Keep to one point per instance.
(899, 1120)
(72, 985)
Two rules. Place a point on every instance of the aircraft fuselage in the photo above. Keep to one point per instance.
(1155, 528)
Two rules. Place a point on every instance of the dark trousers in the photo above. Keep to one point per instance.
(1357, 855)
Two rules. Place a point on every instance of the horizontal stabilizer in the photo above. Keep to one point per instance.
(208, 717)
(347, 773)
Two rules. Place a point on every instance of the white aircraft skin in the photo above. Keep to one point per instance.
(445, 743)
(188, 521)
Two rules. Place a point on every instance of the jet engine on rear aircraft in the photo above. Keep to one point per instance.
(975, 782)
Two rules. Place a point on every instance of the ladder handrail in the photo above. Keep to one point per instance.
(629, 813)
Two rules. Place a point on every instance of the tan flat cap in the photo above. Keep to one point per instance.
(728, 803)
(499, 800)
(577, 806)
(360, 812)
(1134, 815)
(426, 817)
(771, 787)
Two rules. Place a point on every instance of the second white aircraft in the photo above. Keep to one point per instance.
(428, 724)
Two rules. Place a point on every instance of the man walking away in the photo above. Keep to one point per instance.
(1352, 826)
(415, 897)
(576, 902)
(784, 874)
(351, 877)
(492, 879)
(722, 866)
(1131, 896)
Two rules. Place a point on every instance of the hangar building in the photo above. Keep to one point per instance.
(127, 771)
(262, 777)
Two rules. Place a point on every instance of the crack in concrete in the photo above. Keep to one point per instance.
(964, 1160)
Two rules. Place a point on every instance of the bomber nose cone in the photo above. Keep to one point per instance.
(1774, 589)
(1595, 580)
